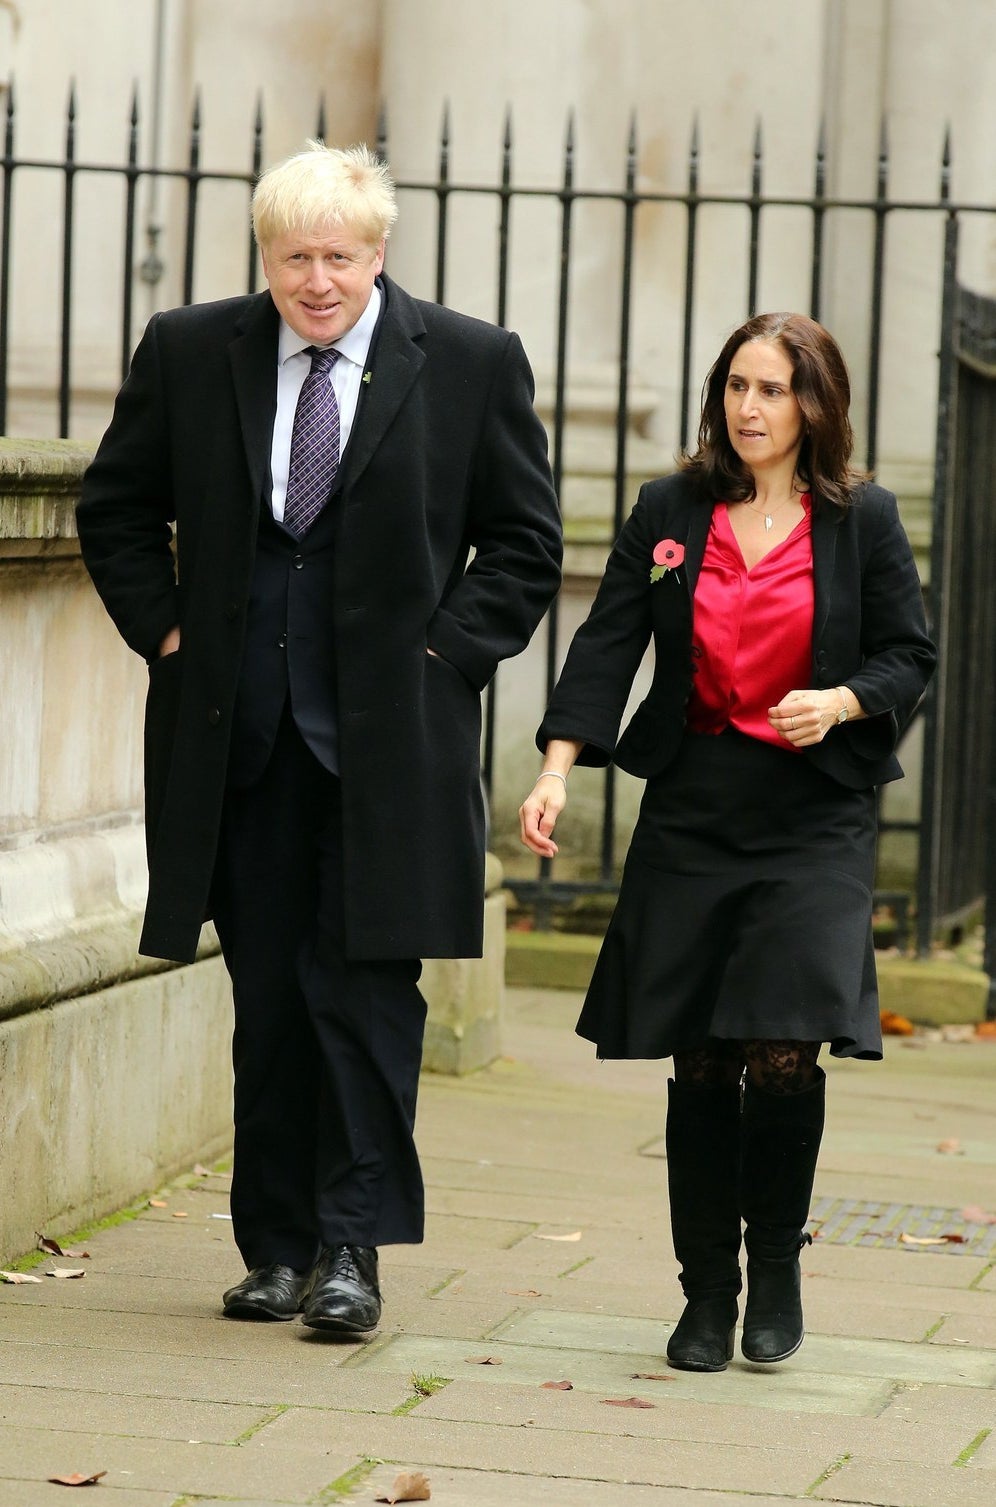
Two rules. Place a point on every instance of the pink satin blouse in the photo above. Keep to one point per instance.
(752, 635)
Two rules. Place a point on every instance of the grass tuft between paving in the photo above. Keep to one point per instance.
(343, 1486)
(422, 1386)
(831, 1470)
(977, 1282)
(111, 1221)
(275, 1412)
(970, 1449)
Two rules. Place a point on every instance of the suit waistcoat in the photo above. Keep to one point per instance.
(289, 646)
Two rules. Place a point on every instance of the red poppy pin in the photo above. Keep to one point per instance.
(668, 555)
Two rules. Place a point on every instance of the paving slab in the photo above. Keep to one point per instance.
(91, 1412)
(477, 1488)
(967, 1329)
(826, 1313)
(610, 1374)
(924, 1267)
(907, 1486)
(841, 1356)
(295, 1370)
(418, 1442)
(971, 1409)
(888, 1436)
(251, 1469)
(23, 1493)
(105, 1292)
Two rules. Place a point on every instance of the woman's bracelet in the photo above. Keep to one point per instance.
(556, 775)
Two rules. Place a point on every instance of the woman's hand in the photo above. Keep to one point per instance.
(805, 717)
(539, 811)
(548, 797)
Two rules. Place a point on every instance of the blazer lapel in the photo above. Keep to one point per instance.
(699, 519)
(825, 520)
(253, 356)
(393, 366)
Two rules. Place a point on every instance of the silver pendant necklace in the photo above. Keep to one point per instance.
(768, 518)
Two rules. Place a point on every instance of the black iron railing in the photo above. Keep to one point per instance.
(692, 202)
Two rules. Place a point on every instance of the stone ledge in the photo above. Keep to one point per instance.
(927, 992)
(70, 918)
(39, 484)
(106, 1096)
(933, 993)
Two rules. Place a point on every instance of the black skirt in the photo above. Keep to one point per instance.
(744, 910)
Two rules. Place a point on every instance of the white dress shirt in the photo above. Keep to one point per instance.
(293, 367)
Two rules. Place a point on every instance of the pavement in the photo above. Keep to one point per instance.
(547, 1259)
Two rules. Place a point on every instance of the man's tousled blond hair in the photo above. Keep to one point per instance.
(325, 188)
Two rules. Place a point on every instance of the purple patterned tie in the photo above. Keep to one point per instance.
(314, 449)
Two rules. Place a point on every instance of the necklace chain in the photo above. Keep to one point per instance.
(768, 515)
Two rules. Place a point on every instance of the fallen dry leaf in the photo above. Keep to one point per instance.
(523, 1292)
(179, 1213)
(986, 1029)
(923, 1239)
(409, 1486)
(977, 1215)
(628, 1402)
(894, 1024)
(66, 1271)
(558, 1386)
(950, 1147)
(650, 1376)
(157, 1203)
(78, 1479)
(575, 1236)
(955, 1239)
(483, 1360)
(200, 1171)
(53, 1248)
(18, 1277)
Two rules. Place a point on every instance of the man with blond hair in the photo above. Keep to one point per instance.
(365, 525)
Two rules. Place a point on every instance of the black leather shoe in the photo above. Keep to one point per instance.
(267, 1293)
(344, 1297)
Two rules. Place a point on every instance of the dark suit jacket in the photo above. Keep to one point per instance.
(447, 458)
(869, 633)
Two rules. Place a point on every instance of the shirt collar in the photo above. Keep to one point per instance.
(354, 345)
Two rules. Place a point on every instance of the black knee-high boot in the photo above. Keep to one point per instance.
(781, 1136)
(703, 1157)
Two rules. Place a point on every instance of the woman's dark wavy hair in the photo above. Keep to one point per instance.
(823, 390)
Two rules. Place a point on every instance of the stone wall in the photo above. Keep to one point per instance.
(114, 1069)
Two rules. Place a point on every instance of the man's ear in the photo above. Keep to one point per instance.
(379, 256)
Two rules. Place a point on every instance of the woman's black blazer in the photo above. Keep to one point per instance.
(869, 633)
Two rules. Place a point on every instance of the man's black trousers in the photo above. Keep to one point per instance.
(326, 1050)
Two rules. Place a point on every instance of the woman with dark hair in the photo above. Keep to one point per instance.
(790, 646)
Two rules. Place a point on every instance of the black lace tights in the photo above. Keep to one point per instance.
(779, 1067)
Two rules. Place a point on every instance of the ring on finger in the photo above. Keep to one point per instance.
(792, 723)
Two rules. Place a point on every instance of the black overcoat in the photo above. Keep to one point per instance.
(869, 633)
(447, 461)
